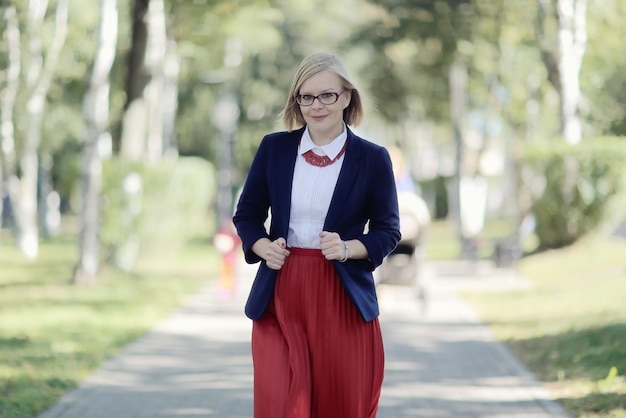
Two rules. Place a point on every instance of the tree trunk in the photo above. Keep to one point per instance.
(572, 39)
(143, 121)
(457, 78)
(136, 78)
(547, 9)
(563, 58)
(155, 61)
(7, 104)
(170, 100)
(39, 77)
(133, 122)
(96, 116)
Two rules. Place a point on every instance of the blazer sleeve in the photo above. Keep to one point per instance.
(253, 205)
(383, 232)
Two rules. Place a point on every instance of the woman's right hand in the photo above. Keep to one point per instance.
(275, 253)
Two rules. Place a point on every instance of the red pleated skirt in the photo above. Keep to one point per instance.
(314, 356)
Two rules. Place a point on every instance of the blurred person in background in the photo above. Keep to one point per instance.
(403, 265)
(412, 205)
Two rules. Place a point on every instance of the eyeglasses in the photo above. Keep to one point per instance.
(327, 98)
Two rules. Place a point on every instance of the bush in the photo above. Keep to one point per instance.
(159, 207)
(574, 189)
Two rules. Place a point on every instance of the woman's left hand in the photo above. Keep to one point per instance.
(332, 246)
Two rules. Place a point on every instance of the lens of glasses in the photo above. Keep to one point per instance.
(327, 98)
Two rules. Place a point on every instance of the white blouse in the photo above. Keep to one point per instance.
(312, 191)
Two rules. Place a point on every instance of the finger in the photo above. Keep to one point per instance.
(329, 237)
(326, 236)
(282, 247)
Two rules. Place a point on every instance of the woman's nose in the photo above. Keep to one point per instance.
(317, 104)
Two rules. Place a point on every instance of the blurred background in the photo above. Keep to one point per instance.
(127, 128)
(102, 107)
(479, 96)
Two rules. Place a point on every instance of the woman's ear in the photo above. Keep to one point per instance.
(348, 98)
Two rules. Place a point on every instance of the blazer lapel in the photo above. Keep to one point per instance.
(346, 180)
(285, 166)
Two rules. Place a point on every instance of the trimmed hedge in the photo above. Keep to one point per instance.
(156, 207)
(574, 189)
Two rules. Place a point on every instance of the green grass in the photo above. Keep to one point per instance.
(570, 327)
(441, 239)
(53, 334)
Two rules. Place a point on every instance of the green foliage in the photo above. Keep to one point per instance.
(66, 169)
(274, 37)
(574, 189)
(403, 39)
(398, 50)
(154, 208)
(602, 78)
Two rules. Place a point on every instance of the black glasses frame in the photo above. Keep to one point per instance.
(299, 98)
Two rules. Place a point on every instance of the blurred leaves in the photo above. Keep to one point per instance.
(399, 51)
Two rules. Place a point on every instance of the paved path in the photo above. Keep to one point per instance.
(440, 362)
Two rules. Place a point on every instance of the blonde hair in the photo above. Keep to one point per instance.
(291, 116)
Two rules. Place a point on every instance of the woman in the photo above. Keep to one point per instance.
(316, 343)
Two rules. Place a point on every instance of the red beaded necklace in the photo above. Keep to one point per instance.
(322, 160)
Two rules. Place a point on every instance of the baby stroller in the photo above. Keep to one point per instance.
(402, 266)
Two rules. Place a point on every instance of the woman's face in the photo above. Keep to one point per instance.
(325, 121)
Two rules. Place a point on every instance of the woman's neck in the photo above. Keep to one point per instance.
(324, 138)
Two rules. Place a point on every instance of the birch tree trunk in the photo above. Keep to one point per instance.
(143, 121)
(155, 61)
(7, 103)
(171, 71)
(134, 119)
(572, 40)
(563, 58)
(96, 116)
(39, 76)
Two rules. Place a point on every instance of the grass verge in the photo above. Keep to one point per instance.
(569, 329)
(53, 334)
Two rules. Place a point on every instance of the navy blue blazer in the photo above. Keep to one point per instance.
(365, 193)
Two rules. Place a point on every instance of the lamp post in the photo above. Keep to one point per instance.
(225, 116)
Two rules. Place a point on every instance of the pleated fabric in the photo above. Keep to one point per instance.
(314, 356)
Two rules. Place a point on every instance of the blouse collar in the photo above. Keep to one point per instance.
(331, 149)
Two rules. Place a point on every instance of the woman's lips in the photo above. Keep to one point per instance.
(318, 118)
